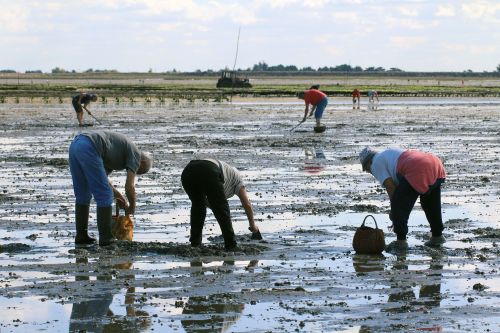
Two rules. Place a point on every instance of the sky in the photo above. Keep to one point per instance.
(187, 35)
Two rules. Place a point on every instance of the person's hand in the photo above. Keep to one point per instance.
(121, 202)
(255, 233)
(130, 210)
(304, 119)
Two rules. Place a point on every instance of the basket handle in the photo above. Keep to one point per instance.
(117, 208)
(367, 216)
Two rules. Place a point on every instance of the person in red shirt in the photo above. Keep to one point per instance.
(318, 100)
(356, 98)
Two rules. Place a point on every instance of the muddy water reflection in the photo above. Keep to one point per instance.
(215, 312)
(402, 295)
(95, 314)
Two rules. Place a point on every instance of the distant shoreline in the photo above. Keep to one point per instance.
(202, 87)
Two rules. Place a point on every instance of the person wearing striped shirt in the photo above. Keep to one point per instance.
(209, 183)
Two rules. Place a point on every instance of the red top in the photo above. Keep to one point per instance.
(313, 96)
(356, 93)
(420, 169)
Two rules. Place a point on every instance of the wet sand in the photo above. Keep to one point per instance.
(304, 275)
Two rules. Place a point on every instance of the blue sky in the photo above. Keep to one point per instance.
(186, 35)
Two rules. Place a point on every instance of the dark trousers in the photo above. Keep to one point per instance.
(404, 199)
(203, 181)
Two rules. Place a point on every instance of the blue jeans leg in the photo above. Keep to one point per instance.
(320, 108)
(88, 173)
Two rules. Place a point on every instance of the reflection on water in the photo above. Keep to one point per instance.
(403, 293)
(315, 160)
(368, 263)
(212, 313)
(95, 315)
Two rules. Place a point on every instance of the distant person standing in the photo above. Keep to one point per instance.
(407, 175)
(356, 98)
(80, 103)
(318, 100)
(372, 96)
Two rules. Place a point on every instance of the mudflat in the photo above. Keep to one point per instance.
(309, 196)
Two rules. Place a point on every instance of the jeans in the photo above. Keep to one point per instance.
(202, 181)
(404, 199)
(320, 107)
(88, 173)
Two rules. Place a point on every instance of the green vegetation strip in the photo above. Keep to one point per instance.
(209, 91)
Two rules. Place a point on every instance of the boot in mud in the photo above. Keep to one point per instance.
(82, 223)
(435, 241)
(397, 247)
(104, 226)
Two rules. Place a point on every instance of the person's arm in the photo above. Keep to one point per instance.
(305, 112)
(122, 202)
(130, 192)
(80, 98)
(312, 110)
(390, 187)
(247, 206)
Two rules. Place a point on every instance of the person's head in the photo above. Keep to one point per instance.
(300, 95)
(366, 157)
(94, 97)
(146, 163)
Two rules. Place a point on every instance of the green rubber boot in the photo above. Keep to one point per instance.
(104, 225)
(82, 224)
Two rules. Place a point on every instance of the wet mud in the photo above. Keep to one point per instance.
(309, 195)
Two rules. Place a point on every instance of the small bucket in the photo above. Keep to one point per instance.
(319, 129)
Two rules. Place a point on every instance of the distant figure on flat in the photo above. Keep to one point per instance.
(318, 100)
(407, 175)
(356, 98)
(372, 96)
(80, 103)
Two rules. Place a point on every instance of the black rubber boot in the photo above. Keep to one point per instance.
(82, 223)
(104, 225)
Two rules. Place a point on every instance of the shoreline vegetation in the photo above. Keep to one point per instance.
(158, 87)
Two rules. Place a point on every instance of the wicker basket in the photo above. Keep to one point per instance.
(368, 240)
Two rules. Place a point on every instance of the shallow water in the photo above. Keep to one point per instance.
(304, 276)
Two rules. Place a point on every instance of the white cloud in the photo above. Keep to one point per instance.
(445, 11)
(315, 3)
(169, 26)
(482, 10)
(407, 42)
(279, 3)
(411, 24)
(475, 49)
(13, 18)
(407, 11)
(196, 42)
(334, 51)
(482, 50)
(348, 17)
